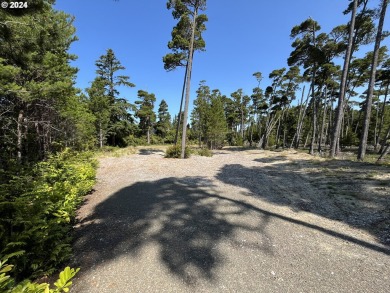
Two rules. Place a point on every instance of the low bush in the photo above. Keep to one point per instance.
(37, 207)
(175, 152)
(205, 152)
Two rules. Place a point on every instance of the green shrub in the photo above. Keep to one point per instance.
(132, 140)
(205, 152)
(8, 284)
(175, 152)
(38, 208)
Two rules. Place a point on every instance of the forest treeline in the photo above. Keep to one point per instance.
(48, 125)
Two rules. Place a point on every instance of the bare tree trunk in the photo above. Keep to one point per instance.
(340, 105)
(188, 85)
(100, 135)
(19, 136)
(307, 136)
(383, 112)
(384, 153)
(251, 141)
(357, 122)
(296, 137)
(323, 123)
(278, 132)
(387, 136)
(313, 138)
(367, 114)
(376, 127)
(242, 123)
(181, 105)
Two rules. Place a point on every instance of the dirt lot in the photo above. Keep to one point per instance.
(240, 221)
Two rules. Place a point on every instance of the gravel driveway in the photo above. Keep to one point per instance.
(240, 221)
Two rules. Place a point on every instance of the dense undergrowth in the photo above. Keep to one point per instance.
(37, 206)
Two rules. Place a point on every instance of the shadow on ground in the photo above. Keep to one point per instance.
(343, 191)
(181, 217)
(147, 152)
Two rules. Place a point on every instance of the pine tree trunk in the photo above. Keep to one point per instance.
(188, 86)
(376, 127)
(299, 133)
(181, 106)
(383, 112)
(384, 153)
(19, 135)
(100, 135)
(278, 133)
(323, 124)
(313, 138)
(242, 124)
(387, 136)
(367, 113)
(340, 107)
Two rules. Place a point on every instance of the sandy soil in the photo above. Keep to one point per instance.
(240, 221)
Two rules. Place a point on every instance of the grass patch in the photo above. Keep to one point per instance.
(109, 151)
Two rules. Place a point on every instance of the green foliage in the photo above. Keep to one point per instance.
(145, 112)
(163, 124)
(175, 152)
(208, 117)
(205, 152)
(181, 37)
(351, 139)
(8, 284)
(37, 85)
(113, 121)
(38, 206)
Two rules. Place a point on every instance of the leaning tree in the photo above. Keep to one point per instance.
(186, 38)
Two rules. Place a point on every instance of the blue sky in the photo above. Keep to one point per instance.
(242, 37)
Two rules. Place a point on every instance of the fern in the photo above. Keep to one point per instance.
(38, 207)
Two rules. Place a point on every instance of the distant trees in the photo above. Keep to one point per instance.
(145, 112)
(208, 118)
(164, 123)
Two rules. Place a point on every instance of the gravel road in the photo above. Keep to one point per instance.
(240, 221)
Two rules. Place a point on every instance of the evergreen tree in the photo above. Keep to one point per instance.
(145, 112)
(163, 125)
(208, 117)
(121, 121)
(217, 122)
(180, 44)
(40, 106)
(99, 103)
(183, 10)
(367, 110)
(308, 54)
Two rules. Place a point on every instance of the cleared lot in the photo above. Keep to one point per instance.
(240, 221)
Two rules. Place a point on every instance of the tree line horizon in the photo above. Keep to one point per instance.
(43, 111)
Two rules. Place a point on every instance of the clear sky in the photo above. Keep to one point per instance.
(242, 37)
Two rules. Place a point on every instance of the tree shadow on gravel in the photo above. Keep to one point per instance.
(181, 216)
(337, 190)
(150, 151)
